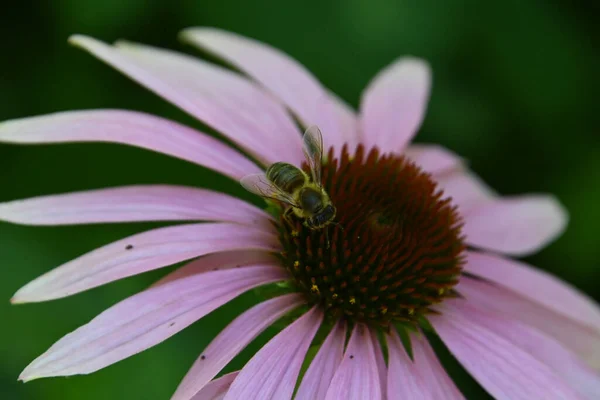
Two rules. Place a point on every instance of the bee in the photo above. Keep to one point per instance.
(303, 196)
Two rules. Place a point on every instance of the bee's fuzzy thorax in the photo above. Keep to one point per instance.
(395, 248)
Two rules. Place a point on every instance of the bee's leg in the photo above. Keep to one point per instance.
(287, 216)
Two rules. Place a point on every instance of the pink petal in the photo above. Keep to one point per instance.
(146, 319)
(506, 368)
(420, 378)
(428, 367)
(467, 190)
(272, 372)
(433, 158)
(222, 99)
(403, 379)
(131, 128)
(337, 122)
(357, 377)
(394, 103)
(216, 389)
(151, 250)
(285, 77)
(582, 339)
(381, 367)
(535, 285)
(132, 203)
(221, 261)
(233, 339)
(566, 365)
(347, 118)
(517, 226)
(318, 377)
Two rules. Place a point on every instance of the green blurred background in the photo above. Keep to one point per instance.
(515, 92)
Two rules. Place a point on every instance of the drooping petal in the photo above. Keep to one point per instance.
(140, 253)
(433, 375)
(220, 261)
(234, 338)
(381, 367)
(536, 285)
(285, 77)
(393, 105)
(423, 377)
(578, 375)
(357, 377)
(318, 377)
(130, 128)
(222, 99)
(433, 158)
(403, 381)
(132, 203)
(467, 190)
(272, 372)
(505, 363)
(582, 339)
(517, 225)
(146, 319)
(216, 389)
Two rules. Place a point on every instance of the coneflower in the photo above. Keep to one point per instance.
(419, 246)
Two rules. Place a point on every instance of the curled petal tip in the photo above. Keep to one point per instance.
(561, 212)
(27, 376)
(20, 297)
(557, 219)
(182, 36)
(77, 39)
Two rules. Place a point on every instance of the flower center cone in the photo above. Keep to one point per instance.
(394, 250)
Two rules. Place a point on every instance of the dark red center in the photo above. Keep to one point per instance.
(397, 250)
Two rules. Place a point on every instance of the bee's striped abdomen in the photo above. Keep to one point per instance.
(286, 177)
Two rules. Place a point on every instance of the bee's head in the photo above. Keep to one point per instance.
(321, 218)
(328, 213)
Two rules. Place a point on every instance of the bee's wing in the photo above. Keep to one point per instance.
(260, 185)
(313, 150)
